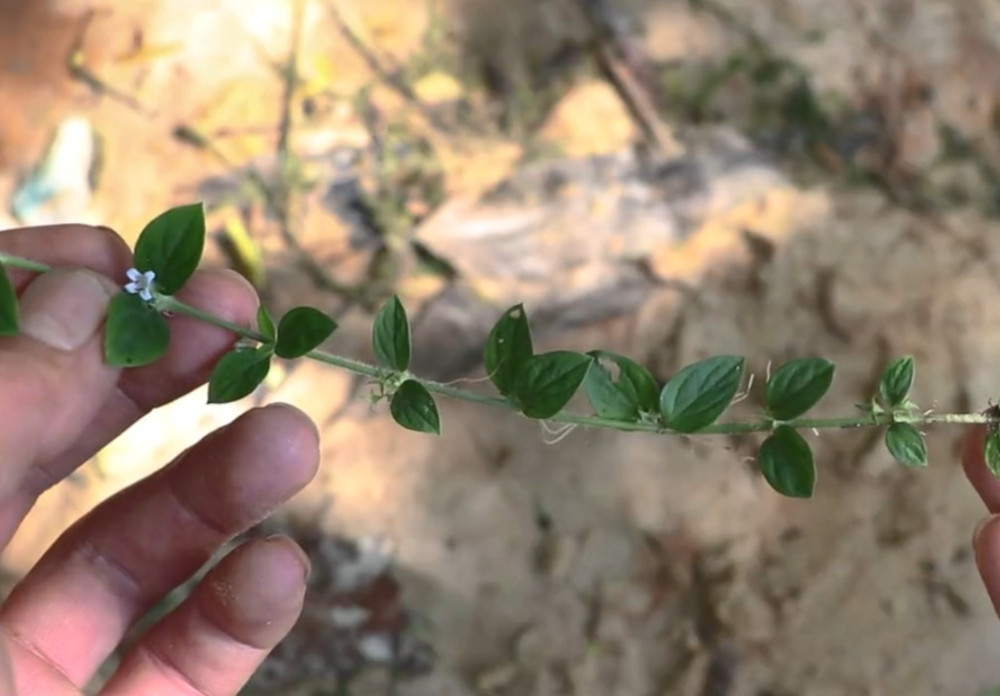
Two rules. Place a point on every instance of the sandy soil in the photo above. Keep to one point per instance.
(606, 563)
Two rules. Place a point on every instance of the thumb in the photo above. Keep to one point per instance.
(53, 378)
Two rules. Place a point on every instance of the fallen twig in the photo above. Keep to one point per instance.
(608, 49)
(78, 70)
(376, 64)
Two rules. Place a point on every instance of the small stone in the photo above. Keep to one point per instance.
(627, 597)
(376, 647)
(496, 678)
(557, 556)
(529, 649)
(348, 617)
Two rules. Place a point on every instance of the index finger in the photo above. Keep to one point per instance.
(195, 346)
(80, 246)
(974, 464)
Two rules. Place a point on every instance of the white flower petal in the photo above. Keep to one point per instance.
(142, 283)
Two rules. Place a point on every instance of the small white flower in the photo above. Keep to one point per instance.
(141, 283)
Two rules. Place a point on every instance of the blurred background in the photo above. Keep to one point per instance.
(669, 179)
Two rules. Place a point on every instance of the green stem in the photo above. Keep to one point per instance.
(171, 304)
(363, 368)
(27, 264)
(168, 303)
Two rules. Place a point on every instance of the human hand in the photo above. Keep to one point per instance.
(986, 538)
(59, 404)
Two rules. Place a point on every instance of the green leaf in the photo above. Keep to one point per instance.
(607, 397)
(507, 349)
(413, 407)
(265, 324)
(787, 463)
(171, 246)
(237, 374)
(897, 381)
(991, 450)
(548, 381)
(9, 321)
(797, 386)
(906, 444)
(391, 335)
(301, 330)
(633, 379)
(135, 334)
(697, 395)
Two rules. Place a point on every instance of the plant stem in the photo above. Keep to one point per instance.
(764, 425)
(27, 264)
(168, 303)
(356, 366)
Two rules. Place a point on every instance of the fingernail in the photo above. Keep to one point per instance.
(979, 529)
(300, 555)
(63, 309)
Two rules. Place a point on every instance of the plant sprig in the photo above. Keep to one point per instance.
(623, 394)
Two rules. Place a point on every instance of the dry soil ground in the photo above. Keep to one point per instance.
(605, 563)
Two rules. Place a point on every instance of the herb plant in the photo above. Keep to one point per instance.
(622, 393)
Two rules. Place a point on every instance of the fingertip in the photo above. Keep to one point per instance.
(291, 434)
(224, 292)
(972, 449)
(215, 640)
(116, 247)
(236, 280)
(117, 254)
(256, 593)
(974, 466)
(99, 249)
(306, 431)
(258, 462)
(986, 544)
